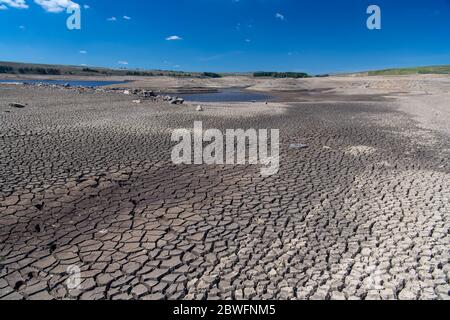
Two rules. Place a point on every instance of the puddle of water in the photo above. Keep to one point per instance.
(73, 83)
(229, 95)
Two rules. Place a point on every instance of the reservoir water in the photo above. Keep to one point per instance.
(228, 95)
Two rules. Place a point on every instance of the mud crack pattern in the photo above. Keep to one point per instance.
(363, 213)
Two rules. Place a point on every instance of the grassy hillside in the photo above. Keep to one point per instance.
(416, 70)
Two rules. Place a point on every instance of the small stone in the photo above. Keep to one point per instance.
(177, 101)
(17, 105)
(298, 146)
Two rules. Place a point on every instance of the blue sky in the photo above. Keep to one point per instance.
(315, 36)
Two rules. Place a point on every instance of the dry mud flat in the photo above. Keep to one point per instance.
(86, 180)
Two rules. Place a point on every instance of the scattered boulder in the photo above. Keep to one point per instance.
(148, 94)
(137, 101)
(127, 92)
(177, 101)
(199, 108)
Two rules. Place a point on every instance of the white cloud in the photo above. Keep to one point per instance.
(173, 38)
(127, 17)
(112, 19)
(86, 6)
(279, 16)
(248, 40)
(56, 6)
(125, 63)
(83, 51)
(18, 4)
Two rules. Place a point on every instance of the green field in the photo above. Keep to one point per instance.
(417, 70)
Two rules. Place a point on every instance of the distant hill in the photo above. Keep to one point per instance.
(45, 69)
(416, 70)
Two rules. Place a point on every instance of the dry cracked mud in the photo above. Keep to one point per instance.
(86, 180)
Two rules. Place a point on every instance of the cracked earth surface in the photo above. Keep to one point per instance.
(86, 180)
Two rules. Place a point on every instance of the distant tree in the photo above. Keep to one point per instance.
(90, 70)
(140, 73)
(6, 69)
(211, 75)
(294, 75)
(42, 71)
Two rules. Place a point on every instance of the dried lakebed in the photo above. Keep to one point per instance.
(86, 180)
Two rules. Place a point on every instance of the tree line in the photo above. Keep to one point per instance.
(42, 71)
(280, 74)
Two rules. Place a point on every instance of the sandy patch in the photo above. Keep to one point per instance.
(358, 151)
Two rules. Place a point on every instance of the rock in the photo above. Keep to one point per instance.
(199, 108)
(127, 92)
(298, 146)
(17, 105)
(137, 101)
(147, 94)
(177, 101)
